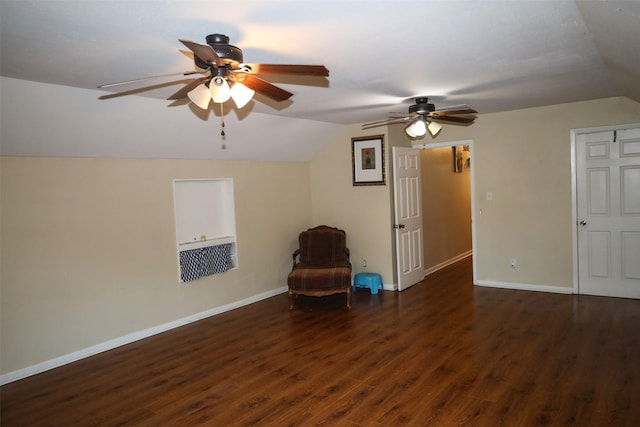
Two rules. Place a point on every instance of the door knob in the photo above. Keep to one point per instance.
(582, 223)
(398, 225)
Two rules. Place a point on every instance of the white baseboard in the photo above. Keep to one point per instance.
(129, 338)
(525, 287)
(447, 263)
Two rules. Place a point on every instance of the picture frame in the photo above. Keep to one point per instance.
(367, 160)
(461, 158)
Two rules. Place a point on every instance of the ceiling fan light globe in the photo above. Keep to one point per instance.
(416, 129)
(200, 96)
(241, 94)
(434, 128)
(220, 90)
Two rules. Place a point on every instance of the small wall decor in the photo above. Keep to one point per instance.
(461, 158)
(368, 160)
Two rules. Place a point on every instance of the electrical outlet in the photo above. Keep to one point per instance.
(513, 262)
(364, 263)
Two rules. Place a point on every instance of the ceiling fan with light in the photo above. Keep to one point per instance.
(423, 116)
(224, 75)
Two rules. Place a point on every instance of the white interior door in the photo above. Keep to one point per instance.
(408, 216)
(608, 212)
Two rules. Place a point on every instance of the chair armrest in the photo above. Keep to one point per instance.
(296, 253)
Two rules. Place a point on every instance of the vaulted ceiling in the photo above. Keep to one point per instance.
(492, 55)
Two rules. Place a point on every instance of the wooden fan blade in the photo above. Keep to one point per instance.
(377, 123)
(185, 73)
(304, 70)
(188, 88)
(385, 122)
(400, 115)
(455, 112)
(453, 107)
(452, 119)
(204, 52)
(265, 88)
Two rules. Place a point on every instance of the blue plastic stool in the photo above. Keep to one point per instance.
(372, 281)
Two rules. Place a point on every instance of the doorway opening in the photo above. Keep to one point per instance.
(448, 203)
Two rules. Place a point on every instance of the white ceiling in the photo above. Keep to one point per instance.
(492, 55)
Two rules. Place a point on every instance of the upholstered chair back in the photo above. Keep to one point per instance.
(323, 246)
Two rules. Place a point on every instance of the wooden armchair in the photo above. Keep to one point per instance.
(321, 264)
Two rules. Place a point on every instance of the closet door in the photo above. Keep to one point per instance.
(608, 206)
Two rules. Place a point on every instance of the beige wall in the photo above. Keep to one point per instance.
(363, 212)
(446, 207)
(88, 247)
(524, 158)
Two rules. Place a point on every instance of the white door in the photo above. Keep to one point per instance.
(408, 216)
(608, 212)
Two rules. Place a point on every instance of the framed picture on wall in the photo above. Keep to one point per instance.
(367, 155)
(461, 158)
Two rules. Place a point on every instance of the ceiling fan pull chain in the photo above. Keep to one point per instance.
(222, 120)
(222, 133)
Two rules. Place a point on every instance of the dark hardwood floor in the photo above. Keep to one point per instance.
(442, 353)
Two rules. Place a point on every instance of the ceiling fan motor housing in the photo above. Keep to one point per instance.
(220, 44)
(422, 106)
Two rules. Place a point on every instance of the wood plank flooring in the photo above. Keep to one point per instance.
(442, 353)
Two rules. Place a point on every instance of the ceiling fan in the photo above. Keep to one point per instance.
(423, 116)
(224, 75)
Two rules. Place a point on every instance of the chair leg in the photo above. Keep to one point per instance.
(349, 298)
(290, 300)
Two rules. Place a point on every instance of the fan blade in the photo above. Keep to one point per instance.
(185, 73)
(455, 112)
(384, 123)
(304, 70)
(188, 88)
(452, 119)
(378, 123)
(400, 115)
(265, 88)
(204, 52)
(453, 107)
